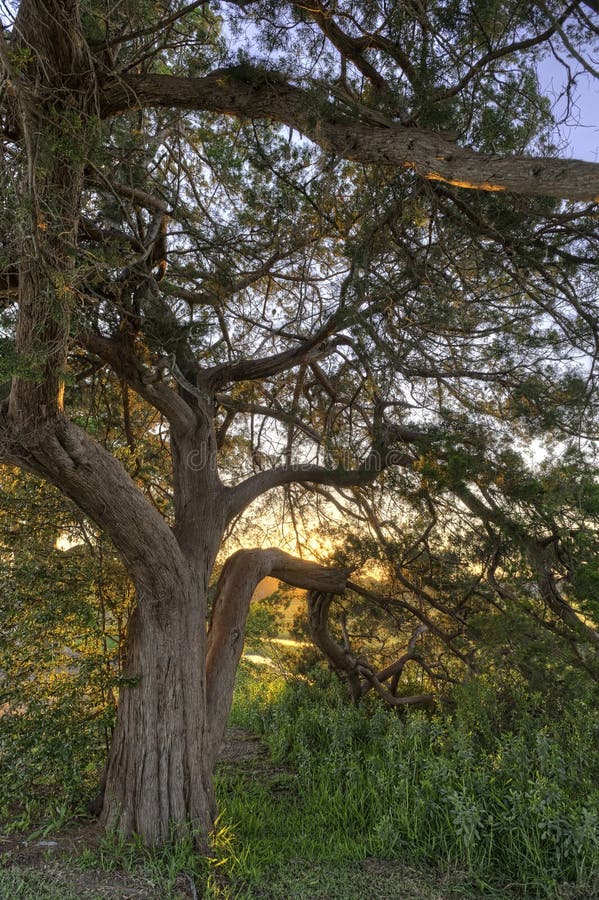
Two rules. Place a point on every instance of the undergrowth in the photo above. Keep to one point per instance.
(495, 795)
(501, 789)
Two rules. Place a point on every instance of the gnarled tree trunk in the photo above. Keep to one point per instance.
(240, 576)
(157, 777)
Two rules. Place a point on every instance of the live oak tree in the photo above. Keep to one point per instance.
(320, 241)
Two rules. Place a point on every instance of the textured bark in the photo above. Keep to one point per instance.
(50, 92)
(341, 659)
(257, 94)
(157, 779)
(178, 685)
(198, 495)
(44, 300)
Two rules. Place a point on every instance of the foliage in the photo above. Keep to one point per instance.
(64, 602)
(503, 789)
(384, 346)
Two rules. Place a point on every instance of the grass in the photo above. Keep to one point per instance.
(31, 885)
(497, 799)
(502, 793)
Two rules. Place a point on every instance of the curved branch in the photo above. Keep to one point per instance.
(312, 348)
(388, 697)
(97, 482)
(352, 48)
(240, 496)
(241, 574)
(540, 562)
(500, 52)
(345, 662)
(398, 666)
(247, 92)
(173, 407)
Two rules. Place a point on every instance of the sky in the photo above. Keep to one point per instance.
(581, 133)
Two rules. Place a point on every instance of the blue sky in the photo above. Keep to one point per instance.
(580, 134)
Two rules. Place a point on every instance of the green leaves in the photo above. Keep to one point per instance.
(64, 602)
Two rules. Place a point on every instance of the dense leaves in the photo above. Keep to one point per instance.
(275, 242)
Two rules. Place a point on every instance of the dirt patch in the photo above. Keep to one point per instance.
(44, 868)
(80, 835)
(59, 881)
(240, 746)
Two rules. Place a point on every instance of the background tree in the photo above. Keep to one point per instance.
(297, 316)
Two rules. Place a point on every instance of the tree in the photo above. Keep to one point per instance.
(222, 268)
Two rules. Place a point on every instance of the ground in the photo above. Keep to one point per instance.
(76, 863)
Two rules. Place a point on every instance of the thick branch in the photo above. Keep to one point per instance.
(240, 576)
(98, 484)
(173, 407)
(341, 658)
(351, 48)
(240, 496)
(315, 347)
(252, 93)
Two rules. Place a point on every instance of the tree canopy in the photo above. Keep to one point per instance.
(331, 249)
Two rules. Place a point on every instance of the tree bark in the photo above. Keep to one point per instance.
(255, 94)
(52, 96)
(158, 781)
(240, 576)
(158, 778)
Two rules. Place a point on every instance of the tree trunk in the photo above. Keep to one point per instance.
(158, 779)
(53, 94)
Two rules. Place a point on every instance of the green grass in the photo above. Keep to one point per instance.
(509, 797)
(498, 799)
(28, 884)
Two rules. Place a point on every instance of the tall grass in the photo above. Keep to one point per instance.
(505, 791)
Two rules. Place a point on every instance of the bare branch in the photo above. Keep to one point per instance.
(346, 663)
(98, 181)
(501, 52)
(313, 348)
(233, 405)
(240, 496)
